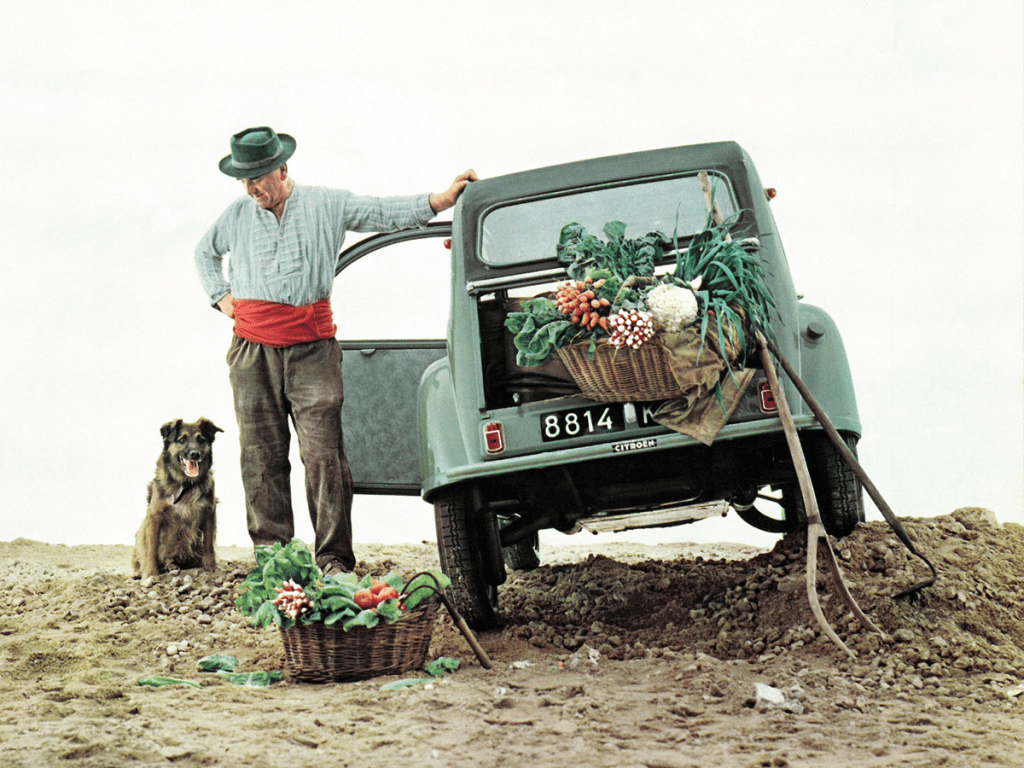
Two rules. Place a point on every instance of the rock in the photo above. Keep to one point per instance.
(903, 636)
(766, 695)
(975, 516)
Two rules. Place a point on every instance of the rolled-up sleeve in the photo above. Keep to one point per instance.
(385, 214)
(209, 258)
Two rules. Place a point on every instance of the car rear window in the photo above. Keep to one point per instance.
(528, 231)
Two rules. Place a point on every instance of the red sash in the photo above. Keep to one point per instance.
(282, 325)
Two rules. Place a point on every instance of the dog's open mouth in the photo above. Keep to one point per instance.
(191, 467)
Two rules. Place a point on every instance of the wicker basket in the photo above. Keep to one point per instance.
(316, 653)
(621, 375)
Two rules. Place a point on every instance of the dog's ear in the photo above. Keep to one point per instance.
(169, 431)
(208, 429)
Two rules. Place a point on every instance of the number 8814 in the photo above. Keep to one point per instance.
(578, 422)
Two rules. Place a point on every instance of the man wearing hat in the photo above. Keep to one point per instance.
(284, 239)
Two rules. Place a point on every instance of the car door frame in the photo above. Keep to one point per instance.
(423, 351)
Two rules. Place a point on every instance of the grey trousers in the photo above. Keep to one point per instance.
(303, 383)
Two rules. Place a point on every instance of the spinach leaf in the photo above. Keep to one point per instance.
(217, 663)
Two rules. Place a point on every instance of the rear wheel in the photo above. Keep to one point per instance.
(460, 554)
(772, 515)
(837, 492)
(836, 488)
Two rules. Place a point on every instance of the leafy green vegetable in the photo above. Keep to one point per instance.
(541, 328)
(157, 681)
(367, 618)
(583, 253)
(253, 679)
(217, 663)
(406, 683)
(422, 587)
(333, 597)
(442, 666)
(732, 282)
(538, 330)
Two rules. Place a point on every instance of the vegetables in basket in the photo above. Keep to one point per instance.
(673, 307)
(716, 280)
(286, 588)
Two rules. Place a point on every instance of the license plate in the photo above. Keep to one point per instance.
(580, 422)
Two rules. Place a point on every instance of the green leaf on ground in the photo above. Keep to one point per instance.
(157, 681)
(407, 683)
(442, 666)
(217, 663)
(253, 679)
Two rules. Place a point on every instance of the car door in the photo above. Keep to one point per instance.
(391, 304)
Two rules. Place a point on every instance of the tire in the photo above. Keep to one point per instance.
(457, 548)
(523, 555)
(836, 488)
(789, 521)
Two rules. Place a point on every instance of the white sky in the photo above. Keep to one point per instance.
(894, 132)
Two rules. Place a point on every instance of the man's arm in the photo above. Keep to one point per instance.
(209, 261)
(445, 200)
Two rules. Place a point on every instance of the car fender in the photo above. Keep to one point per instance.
(441, 441)
(825, 369)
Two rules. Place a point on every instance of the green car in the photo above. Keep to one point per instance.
(503, 450)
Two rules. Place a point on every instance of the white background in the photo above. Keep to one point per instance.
(892, 131)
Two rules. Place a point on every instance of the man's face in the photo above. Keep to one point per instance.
(269, 190)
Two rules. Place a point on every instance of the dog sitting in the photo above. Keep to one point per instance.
(181, 520)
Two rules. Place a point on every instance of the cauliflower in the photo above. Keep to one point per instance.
(672, 307)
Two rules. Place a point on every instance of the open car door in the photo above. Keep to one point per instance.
(391, 303)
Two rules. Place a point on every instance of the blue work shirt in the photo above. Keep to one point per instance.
(293, 261)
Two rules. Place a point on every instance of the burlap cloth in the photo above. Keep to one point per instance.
(710, 392)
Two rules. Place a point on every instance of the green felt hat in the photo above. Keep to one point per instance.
(256, 151)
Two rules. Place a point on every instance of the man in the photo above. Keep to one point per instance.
(284, 361)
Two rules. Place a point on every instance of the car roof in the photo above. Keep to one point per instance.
(488, 192)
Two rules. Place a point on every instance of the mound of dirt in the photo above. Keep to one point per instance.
(964, 636)
(623, 656)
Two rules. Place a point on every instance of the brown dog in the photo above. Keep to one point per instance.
(181, 520)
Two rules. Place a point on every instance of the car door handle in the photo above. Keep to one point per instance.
(368, 351)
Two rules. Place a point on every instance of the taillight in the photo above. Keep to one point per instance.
(494, 437)
(770, 193)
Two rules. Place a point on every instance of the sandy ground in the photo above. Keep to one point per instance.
(618, 656)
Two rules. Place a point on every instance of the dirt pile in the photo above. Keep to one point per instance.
(612, 658)
(962, 636)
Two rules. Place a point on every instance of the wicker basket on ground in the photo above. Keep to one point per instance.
(316, 653)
